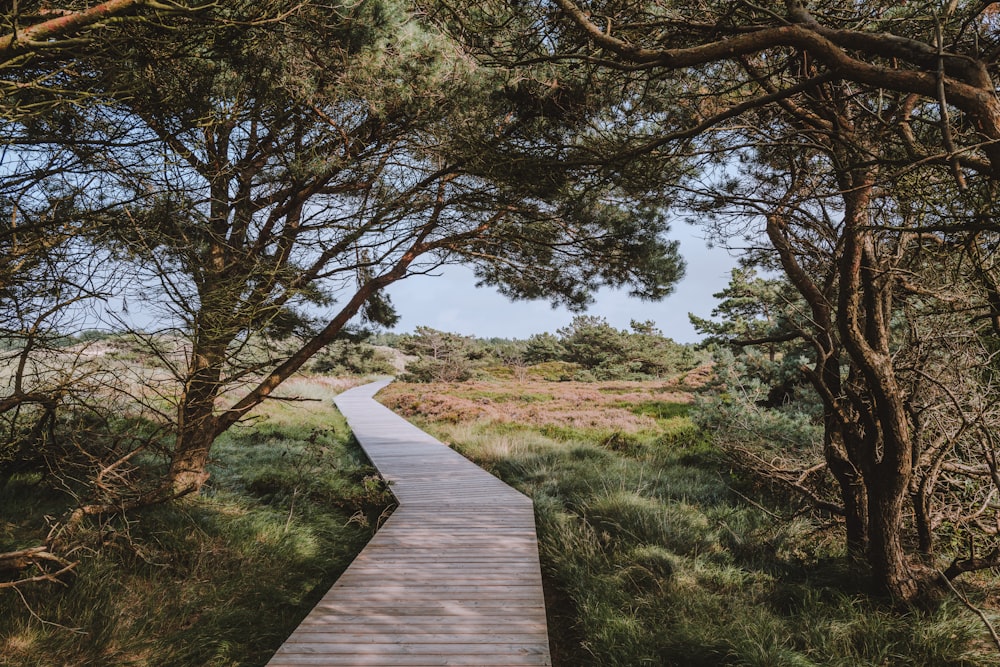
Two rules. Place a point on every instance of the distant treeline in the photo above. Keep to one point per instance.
(588, 349)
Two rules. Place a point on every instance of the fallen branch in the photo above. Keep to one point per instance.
(41, 620)
(972, 564)
(163, 494)
(752, 502)
(18, 561)
(793, 479)
(973, 608)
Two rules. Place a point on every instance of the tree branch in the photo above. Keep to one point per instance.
(46, 33)
(974, 94)
(25, 558)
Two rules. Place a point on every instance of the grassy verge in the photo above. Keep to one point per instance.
(652, 558)
(218, 580)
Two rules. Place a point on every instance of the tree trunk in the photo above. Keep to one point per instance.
(922, 520)
(189, 461)
(853, 493)
(197, 423)
(891, 569)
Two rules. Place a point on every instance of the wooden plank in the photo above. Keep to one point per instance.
(359, 660)
(406, 635)
(392, 646)
(390, 621)
(452, 578)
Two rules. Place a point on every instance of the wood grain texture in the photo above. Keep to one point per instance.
(452, 578)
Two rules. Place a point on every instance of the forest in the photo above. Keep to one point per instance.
(203, 204)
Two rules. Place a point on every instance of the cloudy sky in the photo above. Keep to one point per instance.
(451, 302)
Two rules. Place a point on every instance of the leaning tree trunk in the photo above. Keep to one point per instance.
(888, 468)
(826, 378)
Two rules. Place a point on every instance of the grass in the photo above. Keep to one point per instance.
(651, 558)
(218, 580)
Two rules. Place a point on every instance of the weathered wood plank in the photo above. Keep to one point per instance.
(393, 646)
(452, 578)
(409, 660)
(372, 620)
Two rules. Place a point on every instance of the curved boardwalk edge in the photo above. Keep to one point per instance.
(452, 578)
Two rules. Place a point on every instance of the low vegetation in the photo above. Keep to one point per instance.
(219, 579)
(676, 524)
(656, 550)
(230, 170)
(588, 349)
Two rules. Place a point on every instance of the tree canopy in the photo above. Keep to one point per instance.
(270, 169)
(261, 178)
(854, 149)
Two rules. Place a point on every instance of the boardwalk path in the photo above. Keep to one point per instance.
(452, 578)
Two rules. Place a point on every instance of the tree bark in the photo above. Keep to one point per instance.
(923, 522)
(188, 471)
(883, 438)
(853, 492)
(826, 378)
(197, 423)
(890, 568)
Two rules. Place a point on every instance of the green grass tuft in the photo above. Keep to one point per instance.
(649, 558)
(219, 580)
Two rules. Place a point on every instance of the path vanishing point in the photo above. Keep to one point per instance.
(452, 578)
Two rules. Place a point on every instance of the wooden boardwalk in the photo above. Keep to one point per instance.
(452, 578)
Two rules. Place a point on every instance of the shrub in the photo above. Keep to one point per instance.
(554, 371)
(348, 358)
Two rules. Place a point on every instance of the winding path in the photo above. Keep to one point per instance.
(452, 578)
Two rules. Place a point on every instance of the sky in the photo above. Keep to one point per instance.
(451, 302)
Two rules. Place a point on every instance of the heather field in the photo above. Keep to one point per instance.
(625, 407)
(656, 551)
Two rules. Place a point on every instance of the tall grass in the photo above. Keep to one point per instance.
(651, 558)
(217, 580)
